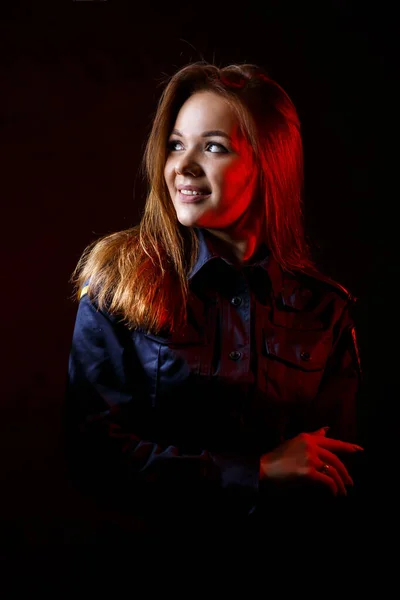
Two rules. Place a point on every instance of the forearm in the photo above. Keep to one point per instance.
(110, 451)
(117, 438)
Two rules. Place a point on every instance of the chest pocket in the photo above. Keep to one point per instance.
(174, 362)
(293, 362)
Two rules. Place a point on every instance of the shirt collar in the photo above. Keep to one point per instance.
(208, 252)
(284, 287)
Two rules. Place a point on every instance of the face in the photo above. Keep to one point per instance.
(209, 171)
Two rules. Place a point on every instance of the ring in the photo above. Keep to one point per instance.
(325, 468)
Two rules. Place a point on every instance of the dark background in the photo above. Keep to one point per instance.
(79, 85)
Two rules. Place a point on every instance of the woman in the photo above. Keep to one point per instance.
(212, 367)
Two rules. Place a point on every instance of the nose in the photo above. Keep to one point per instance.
(185, 165)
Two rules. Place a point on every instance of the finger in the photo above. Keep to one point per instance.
(320, 431)
(325, 480)
(333, 474)
(331, 459)
(337, 445)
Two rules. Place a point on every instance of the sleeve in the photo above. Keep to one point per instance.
(111, 443)
(336, 403)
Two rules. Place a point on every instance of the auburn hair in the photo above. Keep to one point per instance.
(141, 273)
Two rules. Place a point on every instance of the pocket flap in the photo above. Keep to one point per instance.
(306, 350)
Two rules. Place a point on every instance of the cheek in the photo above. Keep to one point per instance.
(236, 176)
(168, 173)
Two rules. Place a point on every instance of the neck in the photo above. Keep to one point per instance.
(240, 241)
(237, 247)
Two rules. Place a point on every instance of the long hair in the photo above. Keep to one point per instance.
(141, 273)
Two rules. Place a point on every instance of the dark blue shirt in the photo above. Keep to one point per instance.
(186, 416)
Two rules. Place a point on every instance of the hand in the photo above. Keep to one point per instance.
(310, 456)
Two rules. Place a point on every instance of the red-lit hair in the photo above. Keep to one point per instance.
(141, 273)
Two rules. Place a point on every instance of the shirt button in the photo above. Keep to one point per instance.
(235, 355)
(236, 301)
(305, 356)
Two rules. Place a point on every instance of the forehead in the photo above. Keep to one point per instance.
(206, 110)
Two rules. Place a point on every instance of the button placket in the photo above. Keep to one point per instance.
(236, 319)
(236, 301)
(235, 355)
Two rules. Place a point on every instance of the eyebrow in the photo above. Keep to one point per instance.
(212, 133)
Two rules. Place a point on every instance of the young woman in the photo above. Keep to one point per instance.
(212, 367)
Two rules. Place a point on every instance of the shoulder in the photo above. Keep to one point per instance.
(95, 313)
(105, 262)
(84, 289)
(311, 290)
(328, 285)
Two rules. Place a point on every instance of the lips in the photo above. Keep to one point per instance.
(201, 193)
(192, 198)
(194, 188)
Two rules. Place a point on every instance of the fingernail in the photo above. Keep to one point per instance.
(350, 481)
(357, 447)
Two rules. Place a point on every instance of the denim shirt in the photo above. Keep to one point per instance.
(264, 356)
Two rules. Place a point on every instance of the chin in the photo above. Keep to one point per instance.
(187, 221)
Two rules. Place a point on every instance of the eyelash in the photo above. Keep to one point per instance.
(173, 142)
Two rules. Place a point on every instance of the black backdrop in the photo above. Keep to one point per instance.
(79, 85)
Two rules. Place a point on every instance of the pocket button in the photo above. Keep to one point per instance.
(305, 356)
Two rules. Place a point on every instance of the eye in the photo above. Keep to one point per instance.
(218, 148)
(174, 145)
(213, 147)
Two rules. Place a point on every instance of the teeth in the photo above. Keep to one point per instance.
(191, 193)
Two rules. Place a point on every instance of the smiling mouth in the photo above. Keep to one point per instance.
(186, 192)
(188, 196)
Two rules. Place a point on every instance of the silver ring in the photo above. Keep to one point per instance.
(325, 468)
